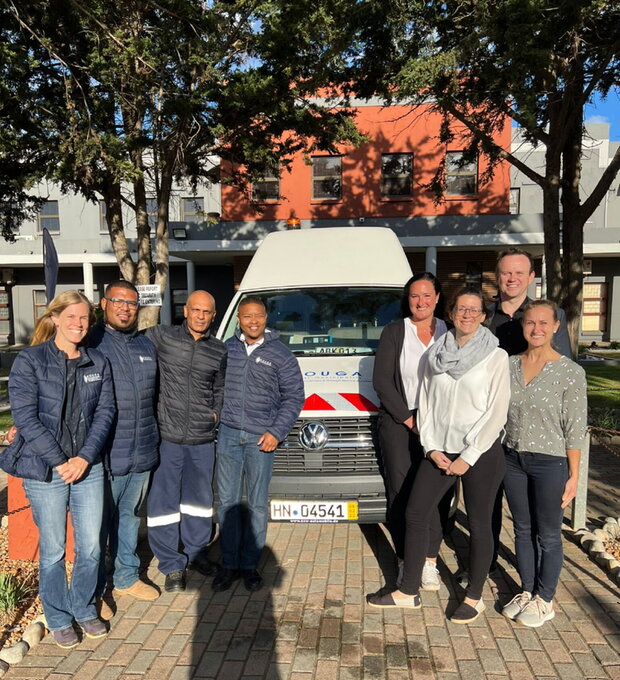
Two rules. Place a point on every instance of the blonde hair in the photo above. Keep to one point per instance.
(45, 327)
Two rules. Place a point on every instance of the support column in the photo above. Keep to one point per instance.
(165, 315)
(190, 269)
(431, 259)
(87, 272)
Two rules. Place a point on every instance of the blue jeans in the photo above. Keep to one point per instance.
(49, 500)
(534, 484)
(239, 459)
(123, 497)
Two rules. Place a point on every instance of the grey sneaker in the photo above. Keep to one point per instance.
(516, 605)
(66, 638)
(535, 613)
(93, 628)
(430, 576)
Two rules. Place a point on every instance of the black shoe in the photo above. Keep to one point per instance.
(224, 579)
(252, 580)
(204, 566)
(175, 581)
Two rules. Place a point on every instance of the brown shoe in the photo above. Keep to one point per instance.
(140, 590)
(104, 611)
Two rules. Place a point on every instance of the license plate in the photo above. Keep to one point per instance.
(323, 511)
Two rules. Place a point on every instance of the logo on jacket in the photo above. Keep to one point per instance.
(92, 377)
(260, 360)
(313, 436)
(143, 359)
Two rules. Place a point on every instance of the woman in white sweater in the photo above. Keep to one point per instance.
(462, 412)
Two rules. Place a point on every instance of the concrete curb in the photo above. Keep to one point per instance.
(12, 655)
(593, 542)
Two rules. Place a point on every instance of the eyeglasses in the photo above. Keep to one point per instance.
(116, 302)
(473, 311)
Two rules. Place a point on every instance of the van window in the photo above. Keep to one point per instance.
(339, 320)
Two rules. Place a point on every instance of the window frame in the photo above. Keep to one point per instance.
(325, 178)
(460, 172)
(198, 216)
(409, 176)
(270, 177)
(42, 219)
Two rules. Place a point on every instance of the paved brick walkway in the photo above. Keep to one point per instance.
(312, 623)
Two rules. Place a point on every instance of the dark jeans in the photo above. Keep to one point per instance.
(402, 454)
(534, 484)
(480, 484)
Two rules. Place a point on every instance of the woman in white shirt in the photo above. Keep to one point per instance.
(399, 367)
(462, 411)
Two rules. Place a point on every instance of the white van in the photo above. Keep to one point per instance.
(329, 292)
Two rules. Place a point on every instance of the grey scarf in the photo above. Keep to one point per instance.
(445, 356)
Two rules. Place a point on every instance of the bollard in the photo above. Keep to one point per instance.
(579, 505)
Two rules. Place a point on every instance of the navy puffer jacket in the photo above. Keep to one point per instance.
(191, 383)
(134, 439)
(37, 385)
(263, 392)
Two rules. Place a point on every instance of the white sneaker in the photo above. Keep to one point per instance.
(516, 605)
(401, 571)
(430, 576)
(535, 613)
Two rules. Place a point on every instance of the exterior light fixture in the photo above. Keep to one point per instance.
(179, 233)
(293, 223)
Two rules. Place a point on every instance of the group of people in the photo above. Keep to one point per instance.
(106, 416)
(497, 402)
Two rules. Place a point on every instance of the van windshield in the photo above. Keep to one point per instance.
(335, 320)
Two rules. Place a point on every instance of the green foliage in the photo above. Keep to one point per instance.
(614, 344)
(13, 591)
(603, 385)
(605, 418)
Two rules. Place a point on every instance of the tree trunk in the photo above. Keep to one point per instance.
(572, 231)
(111, 190)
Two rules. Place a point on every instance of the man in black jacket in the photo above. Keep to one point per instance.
(180, 503)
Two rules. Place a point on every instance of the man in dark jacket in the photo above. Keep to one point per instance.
(131, 450)
(263, 396)
(191, 388)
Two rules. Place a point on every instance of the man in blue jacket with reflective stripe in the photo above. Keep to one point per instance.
(263, 395)
(131, 451)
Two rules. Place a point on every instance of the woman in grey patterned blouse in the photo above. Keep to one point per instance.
(544, 437)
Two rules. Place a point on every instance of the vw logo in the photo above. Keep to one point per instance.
(313, 436)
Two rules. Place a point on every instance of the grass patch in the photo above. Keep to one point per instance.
(603, 386)
(5, 421)
(13, 592)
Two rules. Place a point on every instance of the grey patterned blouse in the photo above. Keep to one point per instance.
(549, 415)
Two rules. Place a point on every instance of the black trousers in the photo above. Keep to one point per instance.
(402, 454)
(480, 484)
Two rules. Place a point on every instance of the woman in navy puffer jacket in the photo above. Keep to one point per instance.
(63, 406)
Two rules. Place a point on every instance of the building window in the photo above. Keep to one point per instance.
(473, 274)
(151, 211)
(396, 179)
(193, 209)
(5, 312)
(49, 218)
(179, 298)
(515, 201)
(267, 188)
(103, 224)
(594, 308)
(326, 178)
(39, 304)
(461, 177)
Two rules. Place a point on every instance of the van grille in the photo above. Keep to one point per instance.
(349, 449)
